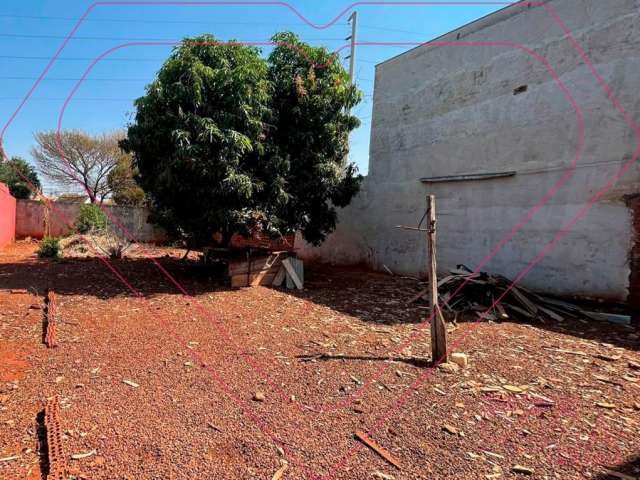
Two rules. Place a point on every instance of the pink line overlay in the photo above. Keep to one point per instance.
(547, 248)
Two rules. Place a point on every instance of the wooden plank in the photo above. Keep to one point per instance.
(421, 294)
(373, 445)
(519, 310)
(279, 278)
(253, 265)
(299, 269)
(260, 278)
(439, 351)
(502, 312)
(550, 313)
(292, 273)
(526, 303)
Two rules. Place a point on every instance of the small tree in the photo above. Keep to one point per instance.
(20, 177)
(77, 159)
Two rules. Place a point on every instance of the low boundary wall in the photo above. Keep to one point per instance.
(34, 220)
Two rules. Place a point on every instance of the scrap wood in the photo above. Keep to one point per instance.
(278, 475)
(422, 293)
(524, 300)
(569, 352)
(481, 289)
(80, 456)
(373, 445)
(550, 313)
(279, 278)
(292, 273)
(252, 271)
(254, 264)
(8, 459)
(251, 280)
(503, 313)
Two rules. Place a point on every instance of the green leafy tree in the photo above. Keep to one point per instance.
(124, 189)
(311, 107)
(198, 134)
(20, 177)
(211, 144)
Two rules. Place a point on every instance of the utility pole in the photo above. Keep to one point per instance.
(353, 19)
(439, 349)
(439, 352)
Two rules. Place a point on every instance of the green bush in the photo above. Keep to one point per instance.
(91, 219)
(49, 248)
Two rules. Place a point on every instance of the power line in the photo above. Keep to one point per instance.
(152, 21)
(88, 79)
(387, 29)
(192, 22)
(83, 59)
(103, 79)
(110, 59)
(128, 39)
(62, 99)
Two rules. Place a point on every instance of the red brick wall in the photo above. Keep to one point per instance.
(7, 216)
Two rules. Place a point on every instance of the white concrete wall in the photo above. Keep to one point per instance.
(447, 110)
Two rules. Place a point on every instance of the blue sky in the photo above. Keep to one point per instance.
(32, 30)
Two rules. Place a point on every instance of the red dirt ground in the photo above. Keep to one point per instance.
(318, 345)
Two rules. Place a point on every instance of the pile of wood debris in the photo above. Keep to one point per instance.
(483, 289)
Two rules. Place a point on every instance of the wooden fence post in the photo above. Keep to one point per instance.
(438, 327)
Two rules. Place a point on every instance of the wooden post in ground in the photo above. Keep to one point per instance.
(438, 327)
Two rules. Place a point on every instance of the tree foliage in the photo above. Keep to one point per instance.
(124, 189)
(227, 141)
(78, 159)
(311, 105)
(20, 177)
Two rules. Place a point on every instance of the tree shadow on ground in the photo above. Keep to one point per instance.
(372, 297)
(383, 299)
(43, 448)
(93, 277)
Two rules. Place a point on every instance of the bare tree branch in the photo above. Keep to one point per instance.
(76, 158)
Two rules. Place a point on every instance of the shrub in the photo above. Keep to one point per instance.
(49, 248)
(91, 219)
